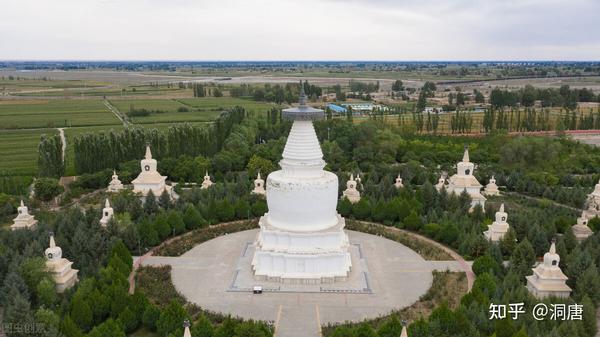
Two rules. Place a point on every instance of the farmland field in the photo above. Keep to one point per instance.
(19, 150)
(198, 109)
(54, 113)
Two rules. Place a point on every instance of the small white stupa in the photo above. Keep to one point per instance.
(64, 276)
(398, 183)
(107, 213)
(547, 279)
(491, 188)
(581, 229)
(24, 220)
(465, 180)
(499, 227)
(441, 183)
(593, 203)
(149, 179)
(115, 184)
(259, 185)
(186, 329)
(351, 193)
(207, 182)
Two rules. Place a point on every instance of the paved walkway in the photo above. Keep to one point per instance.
(465, 266)
(398, 277)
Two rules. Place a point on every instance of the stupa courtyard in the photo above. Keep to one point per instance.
(386, 276)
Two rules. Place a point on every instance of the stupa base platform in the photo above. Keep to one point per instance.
(355, 281)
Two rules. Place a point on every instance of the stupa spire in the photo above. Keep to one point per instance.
(106, 203)
(52, 242)
(502, 208)
(148, 154)
(22, 204)
(466, 154)
(302, 98)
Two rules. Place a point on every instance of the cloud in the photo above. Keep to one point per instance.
(293, 30)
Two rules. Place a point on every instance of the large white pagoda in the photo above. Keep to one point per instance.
(24, 220)
(302, 238)
(547, 279)
(499, 227)
(60, 268)
(464, 180)
(149, 179)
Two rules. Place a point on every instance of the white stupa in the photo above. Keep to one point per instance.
(206, 183)
(491, 188)
(351, 193)
(593, 203)
(398, 182)
(465, 180)
(499, 227)
(581, 229)
(441, 183)
(24, 220)
(302, 238)
(107, 213)
(259, 185)
(548, 279)
(149, 179)
(115, 184)
(64, 276)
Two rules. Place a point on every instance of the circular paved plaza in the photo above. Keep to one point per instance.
(216, 275)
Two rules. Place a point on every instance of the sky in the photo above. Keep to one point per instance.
(227, 30)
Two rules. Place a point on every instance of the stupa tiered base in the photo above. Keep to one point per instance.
(301, 257)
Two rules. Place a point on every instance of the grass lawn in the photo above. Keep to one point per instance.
(54, 113)
(18, 150)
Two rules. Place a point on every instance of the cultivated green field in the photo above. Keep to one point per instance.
(18, 149)
(54, 113)
(203, 109)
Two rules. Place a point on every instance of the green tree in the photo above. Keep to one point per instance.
(47, 188)
(81, 313)
(164, 200)
(46, 292)
(171, 318)
(150, 205)
(412, 221)
(522, 259)
(362, 209)
(391, 328)
(69, 328)
(203, 328)
(192, 218)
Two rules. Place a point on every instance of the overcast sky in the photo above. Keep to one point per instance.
(300, 29)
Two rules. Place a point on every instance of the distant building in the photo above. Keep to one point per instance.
(433, 110)
(336, 108)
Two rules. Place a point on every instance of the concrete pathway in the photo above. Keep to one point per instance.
(116, 112)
